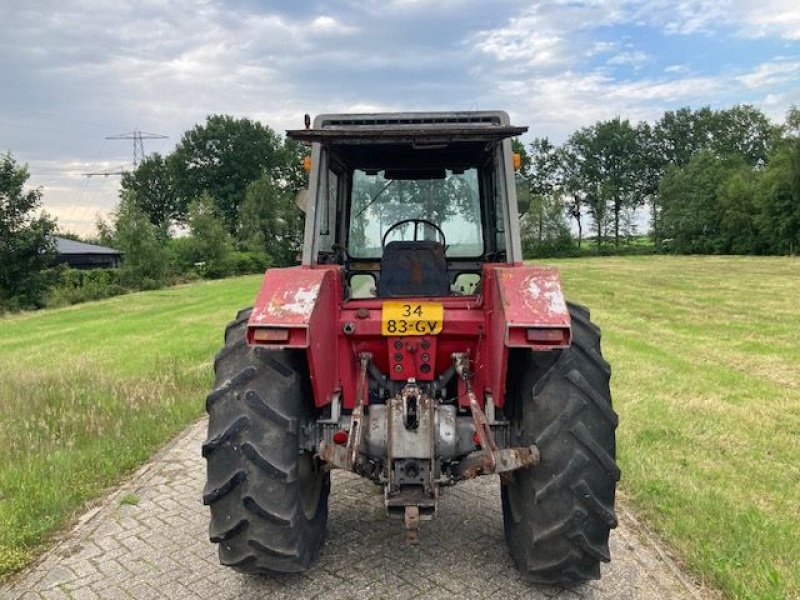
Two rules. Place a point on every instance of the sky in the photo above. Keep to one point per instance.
(73, 72)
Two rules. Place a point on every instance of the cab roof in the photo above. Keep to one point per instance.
(415, 128)
(429, 135)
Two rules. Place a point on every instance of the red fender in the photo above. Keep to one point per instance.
(297, 307)
(525, 308)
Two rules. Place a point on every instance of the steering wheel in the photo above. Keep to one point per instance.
(417, 223)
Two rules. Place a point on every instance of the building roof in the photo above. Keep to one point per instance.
(65, 246)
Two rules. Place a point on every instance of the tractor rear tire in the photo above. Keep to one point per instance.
(558, 514)
(268, 499)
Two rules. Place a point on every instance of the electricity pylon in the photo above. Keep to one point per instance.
(138, 150)
(138, 146)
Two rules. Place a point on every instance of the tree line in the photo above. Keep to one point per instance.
(221, 203)
(704, 181)
(233, 182)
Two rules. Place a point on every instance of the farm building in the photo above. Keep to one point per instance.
(80, 255)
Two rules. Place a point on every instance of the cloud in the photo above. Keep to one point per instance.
(676, 69)
(527, 41)
(777, 105)
(779, 17)
(75, 71)
(551, 21)
(533, 60)
(548, 35)
(748, 19)
(771, 74)
(325, 24)
(557, 105)
(632, 58)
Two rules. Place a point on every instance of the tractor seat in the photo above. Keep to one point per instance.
(413, 268)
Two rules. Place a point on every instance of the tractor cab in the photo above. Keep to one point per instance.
(412, 204)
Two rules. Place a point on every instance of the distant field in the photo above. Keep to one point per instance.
(705, 351)
(706, 359)
(87, 393)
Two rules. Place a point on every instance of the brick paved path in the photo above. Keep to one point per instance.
(159, 549)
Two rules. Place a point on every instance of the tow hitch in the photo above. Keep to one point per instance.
(411, 445)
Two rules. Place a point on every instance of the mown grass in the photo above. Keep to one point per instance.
(87, 393)
(706, 359)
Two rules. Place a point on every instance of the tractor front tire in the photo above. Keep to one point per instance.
(268, 499)
(558, 514)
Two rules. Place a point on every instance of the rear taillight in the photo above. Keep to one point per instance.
(270, 335)
(551, 336)
(539, 338)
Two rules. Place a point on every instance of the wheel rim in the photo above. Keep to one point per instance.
(309, 484)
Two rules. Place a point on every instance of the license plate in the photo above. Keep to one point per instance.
(412, 318)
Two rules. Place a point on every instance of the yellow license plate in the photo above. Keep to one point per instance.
(412, 318)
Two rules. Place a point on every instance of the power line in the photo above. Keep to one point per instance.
(106, 172)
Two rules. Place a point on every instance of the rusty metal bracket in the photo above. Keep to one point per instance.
(346, 457)
(461, 363)
(489, 460)
(357, 417)
(505, 460)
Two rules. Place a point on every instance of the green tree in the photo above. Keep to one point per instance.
(573, 188)
(221, 158)
(746, 132)
(741, 132)
(650, 170)
(692, 215)
(618, 150)
(738, 196)
(270, 222)
(605, 173)
(680, 134)
(792, 125)
(544, 180)
(155, 191)
(546, 231)
(212, 242)
(544, 228)
(583, 179)
(105, 232)
(145, 258)
(26, 245)
(779, 204)
(290, 173)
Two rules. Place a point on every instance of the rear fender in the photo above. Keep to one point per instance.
(297, 307)
(525, 308)
(532, 304)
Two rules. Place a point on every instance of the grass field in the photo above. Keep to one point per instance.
(87, 393)
(706, 358)
(705, 351)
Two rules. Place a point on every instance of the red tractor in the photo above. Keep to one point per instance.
(412, 347)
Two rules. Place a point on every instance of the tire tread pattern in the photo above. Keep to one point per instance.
(255, 411)
(557, 516)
